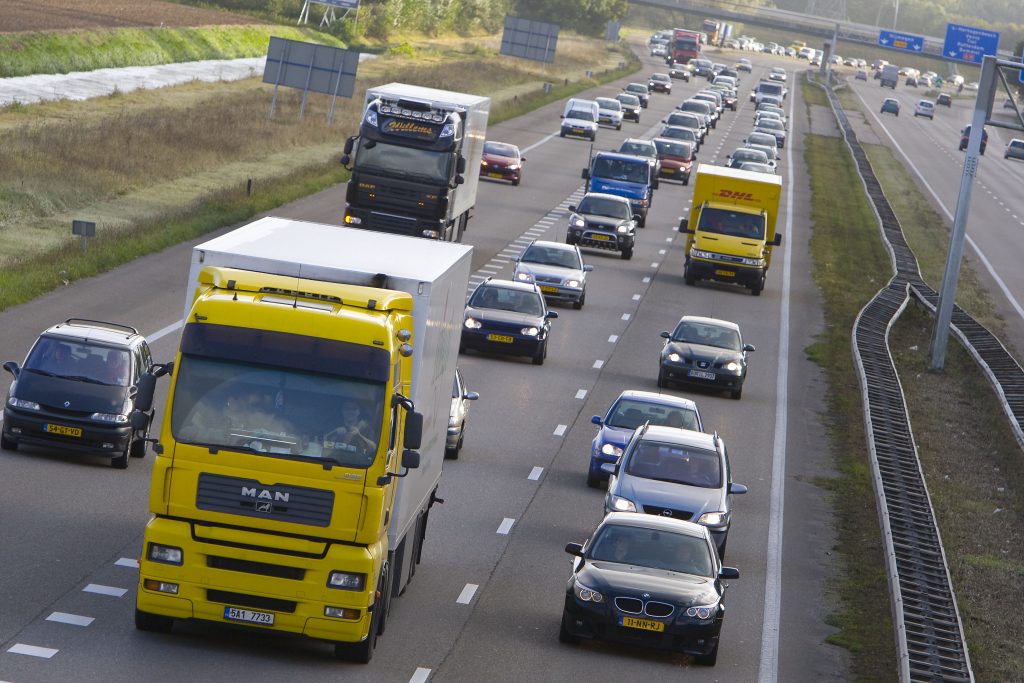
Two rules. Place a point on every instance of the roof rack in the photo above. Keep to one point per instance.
(78, 321)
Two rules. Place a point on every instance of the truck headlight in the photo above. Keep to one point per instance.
(349, 581)
(165, 554)
(20, 403)
(699, 253)
(753, 262)
(473, 324)
(371, 118)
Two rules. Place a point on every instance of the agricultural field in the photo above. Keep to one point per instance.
(65, 15)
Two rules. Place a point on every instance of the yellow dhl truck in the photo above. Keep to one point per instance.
(731, 229)
(304, 430)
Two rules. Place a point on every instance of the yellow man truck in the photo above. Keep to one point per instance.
(731, 228)
(304, 431)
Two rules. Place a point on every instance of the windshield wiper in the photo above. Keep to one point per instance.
(81, 378)
(47, 373)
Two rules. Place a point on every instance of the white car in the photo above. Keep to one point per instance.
(609, 112)
(925, 108)
(461, 397)
(658, 51)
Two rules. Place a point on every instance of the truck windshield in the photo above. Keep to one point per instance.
(404, 162)
(733, 223)
(619, 169)
(276, 412)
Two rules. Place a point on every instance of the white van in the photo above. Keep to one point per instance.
(580, 118)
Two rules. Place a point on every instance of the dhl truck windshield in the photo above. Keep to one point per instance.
(733, 223)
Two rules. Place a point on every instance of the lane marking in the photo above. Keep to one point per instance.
(127, 562)
(73, 619)
(105, 590)
(32, 651)
(581, 394)
(163, 332)
(661, 252)
(598, 364)
(625, 316)
(613, 338)
(647, 279)
(506, 526)
(636, 297)
(560, 430)
(654, 264)
(467, 594)
(535, 473)
(421, 675)
(538, 143)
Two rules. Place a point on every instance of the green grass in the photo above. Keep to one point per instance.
(63, 52)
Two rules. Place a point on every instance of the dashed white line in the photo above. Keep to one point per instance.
(127, 562)
(636, 297)
(613, 338)
(506, 526)
(662, 252)
(560, 430)
(581, 394)
(421, 675)
(467, 594)
(625, 316)
(598, 364)
(500, 260)
(654, 264)
(73, 619)
(535, 473)
(668, 239)
(32, 651)
(647, 279)
(105, 590)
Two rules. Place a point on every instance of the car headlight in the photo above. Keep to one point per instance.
(586, 594)
(530, 331)
(165, 554)
(611, 449)
(572, 283)
(483, 163)
(732, 366)
(576, 222)
(473, 324)
(113, 418)
(524, 277)
(622, 229)
(620, 504)
(674, 357)
(349, 581)
(21, 403)
(513, 167)
(702, 612)
(452, 421)
(713, 518)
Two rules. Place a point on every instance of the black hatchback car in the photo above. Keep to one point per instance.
(650, 581)
(76, 391)
(705, 352)
(507, 317)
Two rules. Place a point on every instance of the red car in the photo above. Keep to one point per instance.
(502, 161)
(676, 157)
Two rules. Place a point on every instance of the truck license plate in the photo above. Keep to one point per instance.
(726, 273)
(62, 430)
(249, 616)
(645, 624)
(701, 374)
(503, 338)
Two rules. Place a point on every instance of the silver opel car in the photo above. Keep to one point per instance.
(557, 269)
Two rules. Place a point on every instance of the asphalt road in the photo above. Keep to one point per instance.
(484, 605)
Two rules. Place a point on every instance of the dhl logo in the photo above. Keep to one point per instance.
(736, 196)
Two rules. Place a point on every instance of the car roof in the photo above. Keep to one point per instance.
(681, 437)
(562, 246)
(510, 284)
(667, 524)
(636, 140)
(661, 76)
(654, 397)
(604, 195)
(928, 102)
(94, 331)
(710, 321)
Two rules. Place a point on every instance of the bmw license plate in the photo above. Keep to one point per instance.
(726, 273)
(644, 624)
(249, 616)
(62, 430)
(549, 289)
(701, 374)
(601, 238)
(503, 338)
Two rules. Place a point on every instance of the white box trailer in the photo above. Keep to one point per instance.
(435, 274)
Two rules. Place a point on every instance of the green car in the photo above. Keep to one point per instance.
(891, 106)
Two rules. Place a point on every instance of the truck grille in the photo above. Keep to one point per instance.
(392, 223)
(253, 601)
(261, 568)
(278, 502)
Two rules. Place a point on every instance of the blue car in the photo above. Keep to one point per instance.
(630, 410)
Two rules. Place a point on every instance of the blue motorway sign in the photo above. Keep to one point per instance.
(900, 41)
(969, 44)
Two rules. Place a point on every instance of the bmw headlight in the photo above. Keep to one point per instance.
(674, 357)
(586, 594)
(620, 504)
(530, 331)
(371, 118)
(524, 277)
(611, 449)
(21, 403)
(713, 518)
(473, 324)
(702, 612)
(732, 366)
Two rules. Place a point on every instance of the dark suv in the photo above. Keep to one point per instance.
(76, 391)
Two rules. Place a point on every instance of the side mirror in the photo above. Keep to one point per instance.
(588, 268)
(471, 396)
(144, 397)
(410, 459)
(749, 348)
(586, 174)
(346, 160)
(522, 160)
(654, 183)
(737, 489)
(459, 180)
(572, 207)
(574, 549)
(551, 315)
(728, 573)
(460, 165)
(665, 334)
(349, 143)
(163, 369)
(778, 239)
(413, 435)
(561, 116)
(610, 468)
(684, 225)
(13, 368)
(596, 420)
(138, 419)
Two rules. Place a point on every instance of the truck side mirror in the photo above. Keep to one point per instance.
(684, 225)
(345, 160)
(460, 165)
(778, 239)
(410, 459)
(349, 143)
(413, 435)
(459, 180)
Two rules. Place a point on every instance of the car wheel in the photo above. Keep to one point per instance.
(515, 182)
(737, 394)
(542, 352)
(618, 127)
(120, 462)
(579, 304)
(686, 180)
(709, 659)
(564, 636)
(561, 133)
(626, 255)
(154, 623)
(593, 480)
(643, 221)
(8, 444)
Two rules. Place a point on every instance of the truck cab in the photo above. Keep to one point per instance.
(624, 175)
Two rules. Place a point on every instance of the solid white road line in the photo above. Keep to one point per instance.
(105, 590)
(73, 619)
(466, 596)
(506, 526)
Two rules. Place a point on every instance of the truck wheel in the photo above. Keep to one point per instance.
(121, 461)
(154, 623)
(361, 652)
(627, 254)
(689, 277)
(8, 444)
(643, 220)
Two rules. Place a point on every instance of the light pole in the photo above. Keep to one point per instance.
(895, 13)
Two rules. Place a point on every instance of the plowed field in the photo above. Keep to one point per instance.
(65, 15)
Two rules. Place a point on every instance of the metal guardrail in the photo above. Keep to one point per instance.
(929, 633)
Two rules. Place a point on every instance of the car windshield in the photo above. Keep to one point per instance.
(629, 413)
(761, 139)
(501, 149)
(580, 115)
(754, 166)
(631, 100)
(78, 361)
(674, 464)
(620, 169)
(507, 299)
(741, 155)
(696, 105)
(274, 411)
(635, 88)
(673, 149)
(640, 149)
(609, 103)
(660, 77)
(685, 120)
(773, 124)
(600, 206)
(551, 256)
(652, 548)
(706, 334)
